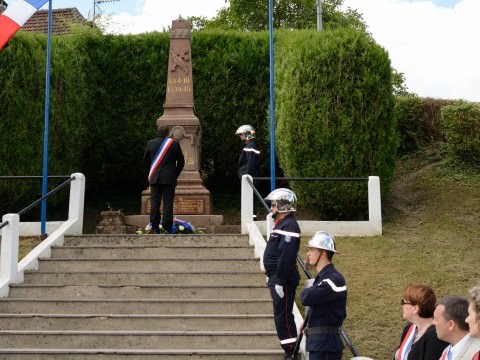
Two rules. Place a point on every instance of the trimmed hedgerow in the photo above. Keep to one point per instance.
(334, 117)
(461, 124)
(333, 95)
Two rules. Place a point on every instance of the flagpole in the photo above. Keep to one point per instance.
(47, 124)
(272, 102)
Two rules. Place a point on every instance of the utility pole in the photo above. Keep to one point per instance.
(319, 15)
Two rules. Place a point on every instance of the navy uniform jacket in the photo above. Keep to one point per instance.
(327, 299)
(280, 256)
(249, 160)
(171, 166)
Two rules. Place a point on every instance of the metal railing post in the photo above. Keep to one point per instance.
(246, 203)
(374, 204)
(76, 203)
(9, 248)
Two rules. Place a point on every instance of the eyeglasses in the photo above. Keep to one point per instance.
(405, 302)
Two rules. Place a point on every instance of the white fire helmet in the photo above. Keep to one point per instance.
(322, 240)
(247, 130)
(285, 200)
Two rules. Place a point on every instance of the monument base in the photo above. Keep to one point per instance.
(188, 201)
(208, 224)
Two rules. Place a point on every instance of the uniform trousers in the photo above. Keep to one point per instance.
(283, 316)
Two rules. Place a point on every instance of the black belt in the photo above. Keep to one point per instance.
(322, 330)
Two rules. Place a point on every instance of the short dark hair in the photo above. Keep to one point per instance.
(162, 130)
(456, 309)
(423, 296)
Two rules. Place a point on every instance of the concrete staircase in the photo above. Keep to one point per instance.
(142, 297)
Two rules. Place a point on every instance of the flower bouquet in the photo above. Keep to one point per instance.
(178, 227)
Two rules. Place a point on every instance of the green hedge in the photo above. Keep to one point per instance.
(334, 117)
(22, 94)
(107, 92)
(419, 122)
(462, 129)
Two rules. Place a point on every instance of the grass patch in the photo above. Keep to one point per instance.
(431, 234)
(26, 244)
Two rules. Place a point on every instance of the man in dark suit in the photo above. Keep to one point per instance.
(164, 159)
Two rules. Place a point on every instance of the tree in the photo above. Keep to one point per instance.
(252, 15)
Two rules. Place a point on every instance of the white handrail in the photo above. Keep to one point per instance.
(372, 227)
(11, 271)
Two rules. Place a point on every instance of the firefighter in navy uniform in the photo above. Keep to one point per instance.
(326, 299)
(280, 262)
(249, 159)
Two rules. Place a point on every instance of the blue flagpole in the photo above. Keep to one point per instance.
(47, 124)
(272, 102)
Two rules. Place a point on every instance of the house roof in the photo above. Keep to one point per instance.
(62, 19)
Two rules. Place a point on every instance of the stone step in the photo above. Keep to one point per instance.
(152, 252)
(138, 292)
(244, 265)
(104, 322)
(141, 354)
(144, 279)
(135, 306)
(139, 339)
(163, 240)
(142, 297)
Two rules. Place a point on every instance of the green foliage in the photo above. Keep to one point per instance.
(334, 116)
(399, 86)
(233, 66)
(107, 92)
(409, 115)
(124, 73)
(252, 15)
(419, 122)
(22, 94)
(462, 128)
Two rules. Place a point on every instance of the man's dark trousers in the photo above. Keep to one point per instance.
(157, 192)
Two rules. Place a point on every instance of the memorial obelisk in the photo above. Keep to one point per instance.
(191, 196)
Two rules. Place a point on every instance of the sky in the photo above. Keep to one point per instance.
(432, 42)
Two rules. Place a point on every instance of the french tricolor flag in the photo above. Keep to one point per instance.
(15, 16)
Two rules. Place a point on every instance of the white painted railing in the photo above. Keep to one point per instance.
(11, 271)
(372, 227)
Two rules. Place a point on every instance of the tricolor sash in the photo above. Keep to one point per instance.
(407, 342)
(157, 160)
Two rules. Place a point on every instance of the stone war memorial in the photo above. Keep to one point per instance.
(192, 200)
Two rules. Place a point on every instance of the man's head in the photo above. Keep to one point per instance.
(449, 318)
(246, 132)
(162, 130)
(282, 201)
(321, 242)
